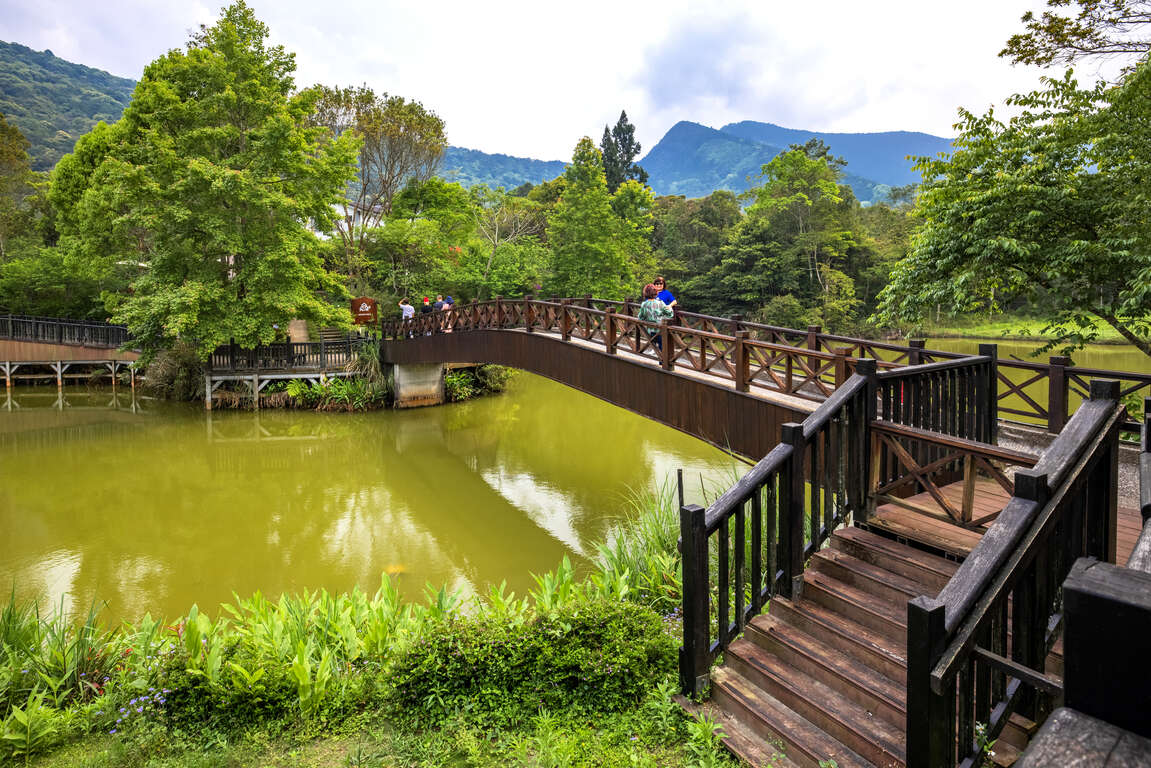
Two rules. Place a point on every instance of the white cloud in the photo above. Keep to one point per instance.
(530, 78)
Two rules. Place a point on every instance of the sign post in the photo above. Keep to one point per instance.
(364, 311)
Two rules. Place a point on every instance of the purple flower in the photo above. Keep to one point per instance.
(112, 731)
(139, 709)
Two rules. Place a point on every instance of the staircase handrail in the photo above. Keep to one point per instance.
(787, 490)
(961, 667)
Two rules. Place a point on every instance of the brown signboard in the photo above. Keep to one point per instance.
(364, 310)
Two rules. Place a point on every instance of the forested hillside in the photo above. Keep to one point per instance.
(879, 156)
(693, 160)
(54, 102)
(471, 166)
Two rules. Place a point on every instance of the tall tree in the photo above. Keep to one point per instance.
(401, 142)
(1049, 208)
(587, 254)
(1076, 29)
(15, 184)
(208, 185)
(619, 150)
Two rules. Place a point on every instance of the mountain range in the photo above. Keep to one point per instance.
(54, 102)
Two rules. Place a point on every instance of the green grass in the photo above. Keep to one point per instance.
(1012, 327)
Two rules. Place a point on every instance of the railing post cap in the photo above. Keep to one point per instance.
(791, 433)
(917, 343)
(1062, 360)
(1104, 389)
(866, 366)
(814, 328)
(741, 334)
(1031, 485)
(989, 350)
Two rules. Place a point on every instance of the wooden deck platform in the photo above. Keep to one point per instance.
(955, 542)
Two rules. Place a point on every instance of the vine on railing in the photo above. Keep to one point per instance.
(976, 653)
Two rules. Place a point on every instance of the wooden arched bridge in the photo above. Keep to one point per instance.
(928, 592)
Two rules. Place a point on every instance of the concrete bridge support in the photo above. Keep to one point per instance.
(418, 384)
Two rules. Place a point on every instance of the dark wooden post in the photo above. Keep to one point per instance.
(1107, 609)
(990, 426)
(667, 354)
(232, 354)
(813, 343)
(1028, 616)
(861, 445)
(694, 661)
(930, 715)
(1145, 462)
(742, 362)
(627, 307)
(499, 312)
(565, 320)
(1057, 393)
(1102, 502)
(915, 351)
(736, 323)
(587, 300)
(323, 353)
(791, 510)
(609, 330)
(528, 312)
(841, 354)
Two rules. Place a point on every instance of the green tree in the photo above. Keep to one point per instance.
(619, 150)
(207, 186)
(1049, 209)
(588, 253)
(1075, 29)
(400, 142)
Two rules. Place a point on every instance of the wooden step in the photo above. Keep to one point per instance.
(855, 681)
(804, 744)
(888, 619)
(930, 570)
(738, 738)
(886, 585)
(865, 645)
(869, 736)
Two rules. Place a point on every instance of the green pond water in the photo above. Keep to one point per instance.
(153, 506)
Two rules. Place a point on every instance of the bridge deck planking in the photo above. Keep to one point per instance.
(958, 542)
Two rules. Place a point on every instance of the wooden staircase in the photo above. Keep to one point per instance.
(822, 678)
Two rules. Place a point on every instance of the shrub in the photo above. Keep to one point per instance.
(593, 655)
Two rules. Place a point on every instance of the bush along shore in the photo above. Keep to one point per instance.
(580, 672)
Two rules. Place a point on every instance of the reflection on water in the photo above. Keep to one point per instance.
(153, 506)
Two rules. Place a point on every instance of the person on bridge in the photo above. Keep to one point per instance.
(664, 294)
(407, 312)
(652, 311)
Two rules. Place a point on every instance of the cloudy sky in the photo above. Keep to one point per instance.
(531, 78)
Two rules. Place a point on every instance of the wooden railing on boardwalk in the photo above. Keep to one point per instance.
(55, 330)
(286, 356)
(804, 363)
(1141, 556)
(777, 516)
(976, 653)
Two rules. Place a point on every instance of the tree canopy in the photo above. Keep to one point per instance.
(206, 189)
(1076, 29)
(619, 150)
(1049, 208)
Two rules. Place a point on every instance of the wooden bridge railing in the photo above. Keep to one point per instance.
(55, 330)
(976, 653)
(1141, 556)
(752, 542)
(805, 363)
(286, 356)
